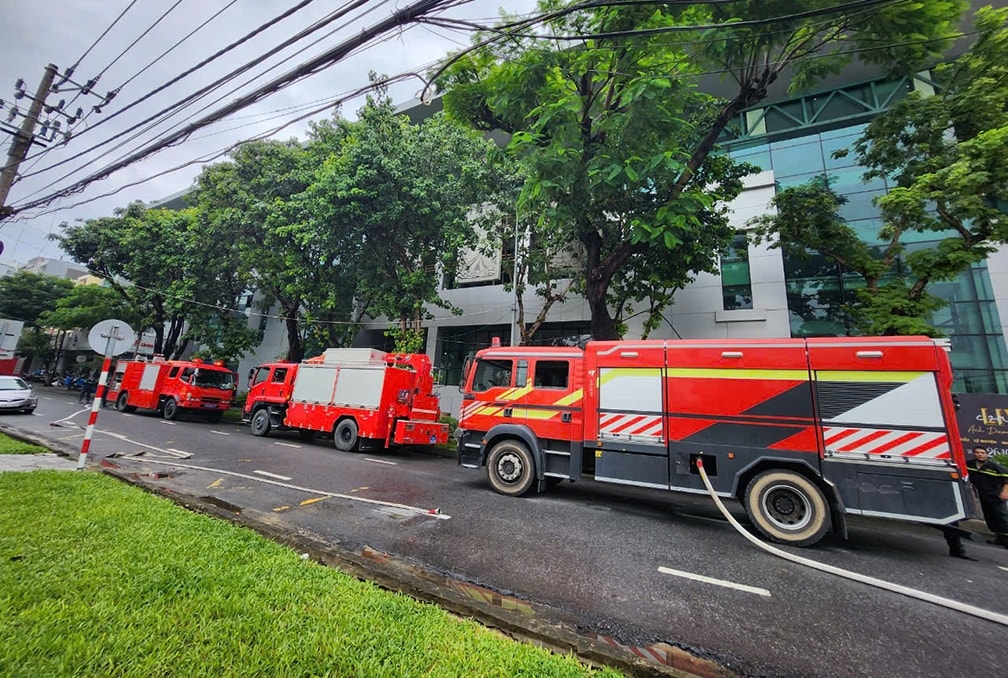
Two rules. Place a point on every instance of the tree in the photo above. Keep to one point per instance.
(617, 141)
(180, 277)
(401, 200)
(81, 309)
(28, 297)
(945, 153)
(252, 202)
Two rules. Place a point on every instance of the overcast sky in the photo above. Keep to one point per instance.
(33, 34)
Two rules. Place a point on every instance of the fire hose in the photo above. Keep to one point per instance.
(847, 574)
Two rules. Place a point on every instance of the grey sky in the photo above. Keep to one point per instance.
(33, 34)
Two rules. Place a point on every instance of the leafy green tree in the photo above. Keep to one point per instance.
(164, 263)
(945, 153)
(85, 306)
(27, 297)
(617, 141)
(399, 199)
(253, 202)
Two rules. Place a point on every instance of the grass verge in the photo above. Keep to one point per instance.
(100, 578)
(10, 445)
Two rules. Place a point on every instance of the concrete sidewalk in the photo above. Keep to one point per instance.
(36, 462)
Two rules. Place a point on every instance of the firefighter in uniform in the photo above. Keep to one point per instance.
(991, 482)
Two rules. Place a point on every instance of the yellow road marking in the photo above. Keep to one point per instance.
(312, 501)
(278, 509)
(215, 483)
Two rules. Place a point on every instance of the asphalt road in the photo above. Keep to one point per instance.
(639, 567)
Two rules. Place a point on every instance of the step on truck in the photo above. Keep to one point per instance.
(803, 432)
(172, 387)
(364, 398)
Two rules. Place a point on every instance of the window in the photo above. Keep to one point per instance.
(551, 374)
(736, 285)
(260, 375)
(172, 372)
(279, 374)
(492, 374)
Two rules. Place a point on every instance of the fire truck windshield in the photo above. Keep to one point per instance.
(213, 379)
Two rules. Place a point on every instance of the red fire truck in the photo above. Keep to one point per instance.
(365, 398)
(802, 431)
(173, 386)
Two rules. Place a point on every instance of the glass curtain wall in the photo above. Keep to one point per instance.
(817, 289)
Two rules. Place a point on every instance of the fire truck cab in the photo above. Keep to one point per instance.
(802, 431)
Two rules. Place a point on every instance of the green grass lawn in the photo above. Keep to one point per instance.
(99, 578)
(10, 445)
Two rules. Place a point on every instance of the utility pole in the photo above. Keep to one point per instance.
(23, 138)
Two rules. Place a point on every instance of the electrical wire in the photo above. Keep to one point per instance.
(99, 39)
(38, 156)
(184, 74)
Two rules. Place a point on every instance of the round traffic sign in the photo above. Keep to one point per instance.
(111, 337)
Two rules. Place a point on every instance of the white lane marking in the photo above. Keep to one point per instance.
(272, 475)
(381, 461)
(220, 433)
(716, 582)
(1003, 568)
(298, 447)
(167, 423)
(181, 454)
(433, 513)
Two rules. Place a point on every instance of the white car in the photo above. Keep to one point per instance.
(17, 395)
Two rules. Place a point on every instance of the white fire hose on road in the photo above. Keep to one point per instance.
(847, 574)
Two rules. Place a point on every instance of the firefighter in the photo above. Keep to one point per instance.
(991, 482)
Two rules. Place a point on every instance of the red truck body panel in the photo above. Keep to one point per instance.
(387, 399)
(188, 385)
(866, 425)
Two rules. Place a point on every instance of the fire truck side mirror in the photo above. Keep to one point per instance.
(251, 374)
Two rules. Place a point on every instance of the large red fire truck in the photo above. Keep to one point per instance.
(365, 398)
(173, 386)
(802, 431)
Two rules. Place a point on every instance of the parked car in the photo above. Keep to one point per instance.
(16, 395)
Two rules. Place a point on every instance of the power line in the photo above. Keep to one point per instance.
(401, 17)
(70, 70)
(184, 74)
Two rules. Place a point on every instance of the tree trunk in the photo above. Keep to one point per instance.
(295, 352)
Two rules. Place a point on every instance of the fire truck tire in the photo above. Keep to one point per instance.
(121, 405)
(510, 468)
(345, 435)
(260, 424)
(170, 410)
(788, 508)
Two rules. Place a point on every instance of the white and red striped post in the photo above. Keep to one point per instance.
(95, 406)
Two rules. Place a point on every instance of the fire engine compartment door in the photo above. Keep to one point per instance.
(148, 380)
(739, 402)
(631, 433)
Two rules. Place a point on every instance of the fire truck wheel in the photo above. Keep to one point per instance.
(787, 508)
(260, 422)
(121, 402)
(510, 468)
(170, 409)
(345, 435)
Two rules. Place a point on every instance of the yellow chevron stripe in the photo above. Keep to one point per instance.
(610, 373)
(570, 398)
(714, 373)
(516, 393)
(535, 413)
(856, 375)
